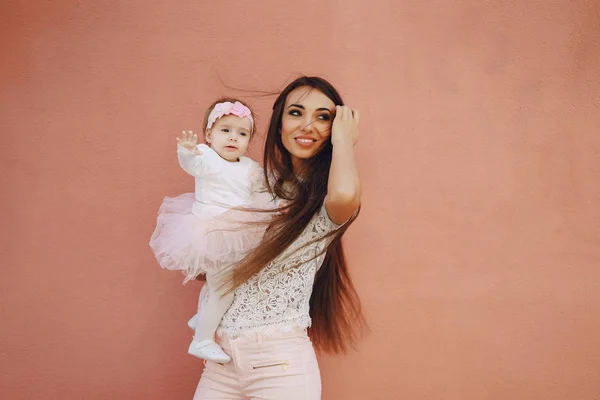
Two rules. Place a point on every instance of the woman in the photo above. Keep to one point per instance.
(297, 278)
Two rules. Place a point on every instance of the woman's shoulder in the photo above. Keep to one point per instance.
(323, 223)
(320, 225)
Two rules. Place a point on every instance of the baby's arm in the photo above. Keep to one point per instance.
(188, 153)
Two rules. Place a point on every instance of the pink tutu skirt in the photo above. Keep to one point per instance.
(215, 239)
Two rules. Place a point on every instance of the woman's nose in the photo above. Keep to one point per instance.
(308, 126)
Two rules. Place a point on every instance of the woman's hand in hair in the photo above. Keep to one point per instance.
(345, 125)
(189, 141)
(343, 188)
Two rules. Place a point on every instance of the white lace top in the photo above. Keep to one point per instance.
(277, 298)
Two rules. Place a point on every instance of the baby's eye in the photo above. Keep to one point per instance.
(243, 134)
(225, 130)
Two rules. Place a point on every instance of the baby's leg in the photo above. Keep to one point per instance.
(209, 317)
(202, 296)
(210, 313)
(194, 320)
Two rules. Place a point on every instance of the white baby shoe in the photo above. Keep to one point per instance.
(208, 350)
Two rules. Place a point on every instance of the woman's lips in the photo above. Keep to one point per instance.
(304, 141)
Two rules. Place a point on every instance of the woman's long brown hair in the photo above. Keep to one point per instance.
(335, 309)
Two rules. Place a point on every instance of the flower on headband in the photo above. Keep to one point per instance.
(240, 110)
(226, 108)
(223, 108)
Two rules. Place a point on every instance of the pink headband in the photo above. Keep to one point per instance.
(226, 108)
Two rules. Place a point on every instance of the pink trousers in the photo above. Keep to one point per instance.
(278, 366)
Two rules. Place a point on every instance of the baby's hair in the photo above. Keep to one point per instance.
(231, 100)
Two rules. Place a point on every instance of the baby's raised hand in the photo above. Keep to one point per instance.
(189, 140)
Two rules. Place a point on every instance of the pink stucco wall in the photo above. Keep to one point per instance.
(477, 254)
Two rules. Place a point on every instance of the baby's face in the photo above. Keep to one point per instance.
(229, 136)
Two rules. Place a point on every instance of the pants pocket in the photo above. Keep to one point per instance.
(283, 365)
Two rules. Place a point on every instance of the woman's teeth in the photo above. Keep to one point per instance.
(305, 140)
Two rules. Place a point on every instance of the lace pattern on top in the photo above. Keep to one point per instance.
(277, 298)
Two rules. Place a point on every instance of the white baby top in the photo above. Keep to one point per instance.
(220, 182)
(277, 298)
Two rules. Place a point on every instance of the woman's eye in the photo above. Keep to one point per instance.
(295, 113)
(324, 117)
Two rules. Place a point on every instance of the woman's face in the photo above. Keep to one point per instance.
(305, 123)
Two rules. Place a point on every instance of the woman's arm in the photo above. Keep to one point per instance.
(343, 189)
